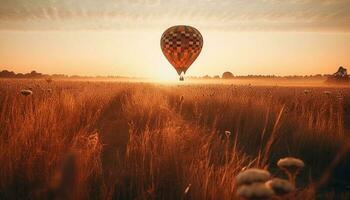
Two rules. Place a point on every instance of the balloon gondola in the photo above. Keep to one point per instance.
(181, 45)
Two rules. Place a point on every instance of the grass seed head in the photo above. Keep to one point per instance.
(187, 188)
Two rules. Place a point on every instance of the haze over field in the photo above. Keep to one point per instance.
(122, 37)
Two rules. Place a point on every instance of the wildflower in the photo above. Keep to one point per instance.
(290, 163)
(26, 92)
(280, 186)
(307, 91)
(291, 166)
(228, 134)
(327, 92)
(252, 175)
(48, 80)
(255, 191)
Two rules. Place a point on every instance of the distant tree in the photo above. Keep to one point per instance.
(342, 72)
(216, 76)
(7, 74)
(206, 77)
(34, 74)
(59, 76)
(20, 75)
(340, 76)
(227, 75)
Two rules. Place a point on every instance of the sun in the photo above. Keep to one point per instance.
(165, 73)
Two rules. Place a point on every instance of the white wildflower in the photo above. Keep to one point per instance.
(327, 92)
(280, 186)
(26, 92)
(228, 134)
(255, 191)
(290, 162)
(252, 175)
(291, 166)
(307, 91)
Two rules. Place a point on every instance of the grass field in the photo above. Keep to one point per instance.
(115, 140)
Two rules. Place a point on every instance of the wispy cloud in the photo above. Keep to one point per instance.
(284, 15)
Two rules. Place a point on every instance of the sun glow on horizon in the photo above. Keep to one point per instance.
(138, 53)
(123, 37)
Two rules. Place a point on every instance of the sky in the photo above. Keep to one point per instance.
(122, 37)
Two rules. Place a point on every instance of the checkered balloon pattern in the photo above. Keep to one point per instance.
(181, 45)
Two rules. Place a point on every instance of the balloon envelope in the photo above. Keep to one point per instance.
(181, 45)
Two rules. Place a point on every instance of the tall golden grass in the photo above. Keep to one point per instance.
(112, 140)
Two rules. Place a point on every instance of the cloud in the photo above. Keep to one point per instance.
(281, 15)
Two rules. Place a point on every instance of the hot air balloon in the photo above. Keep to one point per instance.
(181, 45)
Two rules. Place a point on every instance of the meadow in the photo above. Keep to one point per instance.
(123, 140)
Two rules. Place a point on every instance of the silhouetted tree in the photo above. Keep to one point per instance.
(227, 75)
(340, 76)
(7, 74)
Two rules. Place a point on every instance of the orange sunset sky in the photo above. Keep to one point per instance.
(121, 37)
